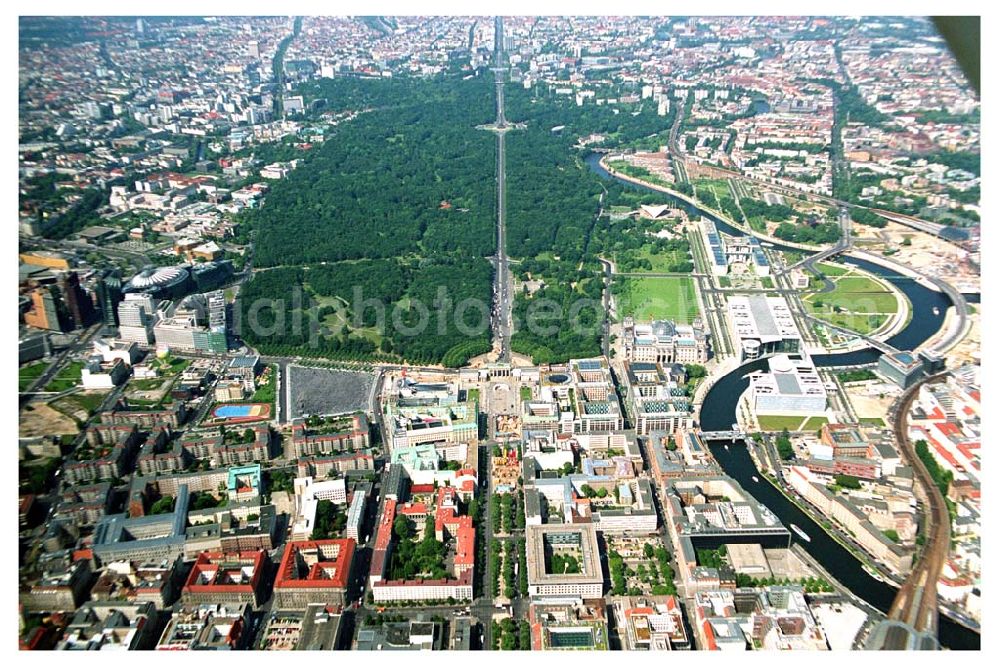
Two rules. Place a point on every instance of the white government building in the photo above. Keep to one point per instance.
(789, 388)
(762, 325)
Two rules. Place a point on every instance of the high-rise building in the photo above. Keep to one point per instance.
(78, 305)
(216, 311)
(211, 341)
(184, 333)
(252, 72)
(175, 333)
(109, 295)
(46, 310)
(254, 49)
(31, 347)
(136, 318)
(144, 300)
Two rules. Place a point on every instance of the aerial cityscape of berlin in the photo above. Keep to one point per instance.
(498, 332)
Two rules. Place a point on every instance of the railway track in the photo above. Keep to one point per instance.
(916, 602)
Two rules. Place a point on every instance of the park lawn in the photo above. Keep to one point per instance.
(861, 303)
(170, 365)
(859, 323)
(658, 298)
(865, 294)
(370, 334)
(29, 373)
(66, 378)
(339, 322)
(706, 194)
(758, 223)
(661, 262)
(335, 322)
(525, 393)
(872, 420)
(147, 404)
(719, 186)
(78, 405)
(865, 304)
(265, 392)
(831, 270)
(148, 384)
(473, 395)
(856, 284)
(325, 300)
(638, 172)
(815, 423)
(769, 423)
(792, 257)
(86, 401)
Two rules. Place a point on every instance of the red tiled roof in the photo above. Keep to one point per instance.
(212, 561)
(968, 449)
(948, 428)
(709, 636)
(464, 577)
(384, 535)
(341, 565)
(414, 509)
(944, 453)
(465, 546)
(958, 581)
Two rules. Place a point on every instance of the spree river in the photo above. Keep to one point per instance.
(718, 412)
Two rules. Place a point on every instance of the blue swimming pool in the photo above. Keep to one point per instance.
(233, 411)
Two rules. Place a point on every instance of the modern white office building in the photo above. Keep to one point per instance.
(356, 515)
(791, 387)
(762, 325)
(308, 493)
(136, 318)
(726, 253)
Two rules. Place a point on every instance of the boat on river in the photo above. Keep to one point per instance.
(874, 573)
(801, 533)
